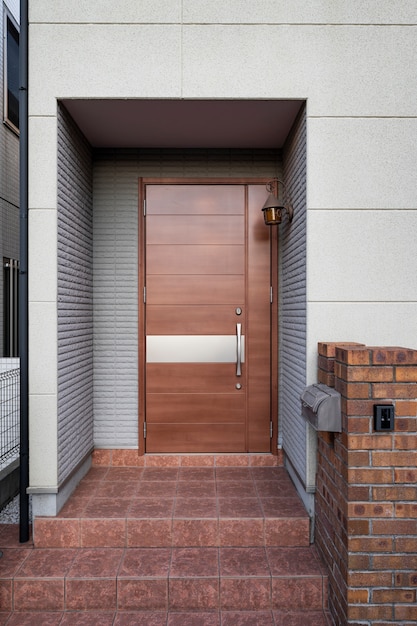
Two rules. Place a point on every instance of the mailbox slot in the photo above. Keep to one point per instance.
(321, 407)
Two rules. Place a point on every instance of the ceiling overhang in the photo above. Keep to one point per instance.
(253, 124)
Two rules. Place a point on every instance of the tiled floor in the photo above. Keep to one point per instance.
(168, 545)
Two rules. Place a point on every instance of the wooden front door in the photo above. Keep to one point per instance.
(207, 318)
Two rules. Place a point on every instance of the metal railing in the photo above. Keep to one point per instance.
(9, 416)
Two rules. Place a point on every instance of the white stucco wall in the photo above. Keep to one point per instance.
(354, 63)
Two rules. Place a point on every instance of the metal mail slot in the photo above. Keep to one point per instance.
(321, 407)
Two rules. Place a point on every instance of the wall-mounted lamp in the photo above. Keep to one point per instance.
(275, 206)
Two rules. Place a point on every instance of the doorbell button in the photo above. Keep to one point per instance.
(238, 311)
(238, 386)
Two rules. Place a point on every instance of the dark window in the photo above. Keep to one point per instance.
(11, 105)
(11, 304)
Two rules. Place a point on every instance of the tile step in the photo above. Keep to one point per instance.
(184, 532)
(163, 579)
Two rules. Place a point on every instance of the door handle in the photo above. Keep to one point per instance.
(238, 349)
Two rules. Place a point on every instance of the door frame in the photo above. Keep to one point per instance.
(142, 305)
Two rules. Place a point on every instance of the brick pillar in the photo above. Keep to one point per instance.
(366, 500)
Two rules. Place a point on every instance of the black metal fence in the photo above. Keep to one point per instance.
(9, 416)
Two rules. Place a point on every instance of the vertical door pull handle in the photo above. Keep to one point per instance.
(238, 349)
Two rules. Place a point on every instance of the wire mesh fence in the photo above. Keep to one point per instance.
(9, 416)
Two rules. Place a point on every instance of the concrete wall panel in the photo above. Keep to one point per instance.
(105, 11)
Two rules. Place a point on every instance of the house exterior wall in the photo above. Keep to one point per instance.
(9, 175)
(116, 174)
(353, 63)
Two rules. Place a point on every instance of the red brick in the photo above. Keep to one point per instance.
(355, 355)
(370, 579)
(405, 476)
(385, 596)
(397, 492)
(395, 562)
(394, 527)
(325, 364)
(406, 544)
(358, 407)
(406, 374)
(370, 544)
(395, 390)
(357, 596)
(402, 613)
(404, 510)
(325, 378)
(328, 348)
(370, 476)
(358, 425)
(370, 442)
(394, 459)
(405, 408)
(370, 509)
(369, 612)
(364, 374)
(405, 424)
(405, 442)
(358, 527)
(358, 562)
(403, 579)
(358, 494)
(358, 458)
(359, 391)
(393, 356)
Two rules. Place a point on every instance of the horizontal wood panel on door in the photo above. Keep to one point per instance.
(192, 378)
(195, 407)
(193, 319)
(195, 199)
(191, 259)
(213, 289)
(194, 438)
(195, 229)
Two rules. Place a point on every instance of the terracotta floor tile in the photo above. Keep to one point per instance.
(155, 488)
(90, 594)
(282, 507)
(195, 489)
(124, 474)
(56, 533)
(151, 533)
(305, 593)
(196, 473)
(105, 533)
(12, 560)
(117, 489)
(197, 460)
(287, 532)
(193, 594)
(90, 618)
(195, 532)
(9, 537)
(247, 618)
(232, 460)
(195, 507)
(145, 563)
(200, 618)
(4, 616)
(234, 473)
(243, 562)
(50, 618)
(229, 488)
(140, 618)
(152, 508)
(108, 508)
(160, 473)
(239, 507)
(96, 562)
(270, 473)
(47, 563)
(241, 532)
(39, 594)
(300, 618)
(194, 562)
(293, 561)
(245, 594)
(142, 595)
(274, 488)
(162, 460)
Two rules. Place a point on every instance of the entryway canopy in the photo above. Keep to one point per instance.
(184, 123)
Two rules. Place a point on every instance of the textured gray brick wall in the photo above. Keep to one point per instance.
(75, 296)
(116, 175)
(292, 319)
(9, 181)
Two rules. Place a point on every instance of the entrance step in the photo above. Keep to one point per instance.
(163, 507)
(164, 580)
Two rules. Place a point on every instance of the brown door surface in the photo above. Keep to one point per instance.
(207, 318)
